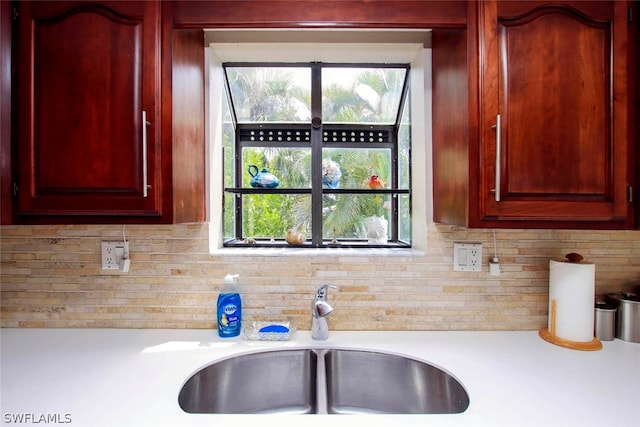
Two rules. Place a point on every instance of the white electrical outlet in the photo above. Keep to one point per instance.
(467, 256)
(113, 253)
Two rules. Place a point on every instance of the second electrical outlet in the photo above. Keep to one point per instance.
(115, 256)
(467, 256)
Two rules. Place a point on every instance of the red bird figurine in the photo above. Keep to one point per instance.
(374, 182)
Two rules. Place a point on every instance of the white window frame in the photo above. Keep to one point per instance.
(415, 54)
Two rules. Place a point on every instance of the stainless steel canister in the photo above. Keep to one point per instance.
(627, 315)
(605, 321)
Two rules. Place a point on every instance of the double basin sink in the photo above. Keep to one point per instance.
(322, 381)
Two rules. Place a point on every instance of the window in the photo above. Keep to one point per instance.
(316, 155)
(304, 47)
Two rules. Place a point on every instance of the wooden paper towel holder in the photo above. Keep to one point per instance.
(550, 336)
(593, 345)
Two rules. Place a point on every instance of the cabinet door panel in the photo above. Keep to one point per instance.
(87, 72)
(558, 78)
(92, 72)
(556, 107)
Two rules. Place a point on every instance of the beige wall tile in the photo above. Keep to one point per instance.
(51, 277)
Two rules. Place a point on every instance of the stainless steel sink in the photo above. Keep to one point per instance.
(282, 381)
(373, 382)
(321, 381)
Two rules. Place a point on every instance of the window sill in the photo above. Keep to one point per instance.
(319, 252)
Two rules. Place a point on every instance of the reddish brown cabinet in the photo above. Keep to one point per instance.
(555, 115)
(88, 127)
(561, 76)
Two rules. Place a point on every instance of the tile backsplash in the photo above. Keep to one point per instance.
(51, 277)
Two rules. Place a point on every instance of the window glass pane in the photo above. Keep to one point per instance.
(229, 216)
(356, 168)
(404, 148)
(361, 95)
(268, 144)
(271, 215)
(228, 156)
(270, 94)
(345, 216)
(290, 166)
(404, 217)
(228, 144)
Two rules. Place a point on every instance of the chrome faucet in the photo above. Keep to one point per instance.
(320, 308)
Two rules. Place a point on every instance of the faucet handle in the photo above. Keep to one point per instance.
(322, 291)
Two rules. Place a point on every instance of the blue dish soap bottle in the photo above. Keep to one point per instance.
(229, 308)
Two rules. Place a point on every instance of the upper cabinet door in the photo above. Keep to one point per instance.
(555, 115)
(88, 80)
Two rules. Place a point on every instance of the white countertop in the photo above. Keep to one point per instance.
(131, 377)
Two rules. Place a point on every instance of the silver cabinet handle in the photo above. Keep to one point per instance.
(145, 123)
(498, 128)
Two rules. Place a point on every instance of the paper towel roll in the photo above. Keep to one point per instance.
(571, 300)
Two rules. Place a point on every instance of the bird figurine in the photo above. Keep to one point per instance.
(330, 173)
(375, 183)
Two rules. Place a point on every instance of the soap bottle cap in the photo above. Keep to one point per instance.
(230, 278)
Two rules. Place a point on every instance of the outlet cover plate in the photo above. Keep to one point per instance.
(467, 256)
(112, 255)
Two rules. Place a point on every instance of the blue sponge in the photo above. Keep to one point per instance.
(274, 328)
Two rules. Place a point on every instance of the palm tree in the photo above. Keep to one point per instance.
(268, 94)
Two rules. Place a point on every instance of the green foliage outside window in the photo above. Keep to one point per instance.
(263, 94)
